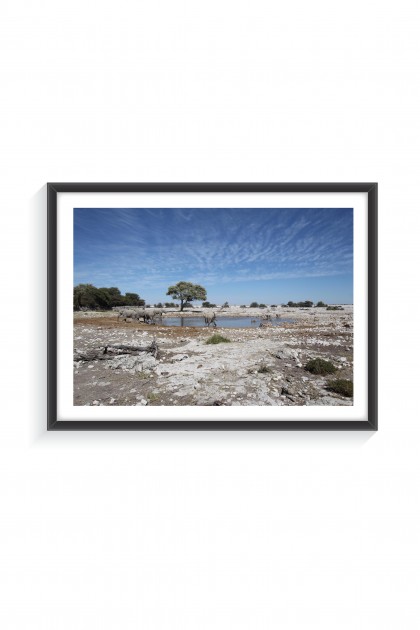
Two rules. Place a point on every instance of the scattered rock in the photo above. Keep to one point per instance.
(228, 375)
(135, 363)
(286, 353)
(179, 357)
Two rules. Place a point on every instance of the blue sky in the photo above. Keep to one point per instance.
(239, 255)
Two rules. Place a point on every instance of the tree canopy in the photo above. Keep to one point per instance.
(187, 292)
(87, 296)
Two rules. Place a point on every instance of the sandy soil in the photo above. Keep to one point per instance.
(261, 366)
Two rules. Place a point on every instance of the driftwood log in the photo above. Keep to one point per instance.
(109, 352)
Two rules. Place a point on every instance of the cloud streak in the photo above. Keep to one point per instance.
(144, 248)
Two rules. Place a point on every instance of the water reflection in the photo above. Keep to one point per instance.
(223, 322)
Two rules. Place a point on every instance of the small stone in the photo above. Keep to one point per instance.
(95, 402)
(90, 367)
(111, 401)
(180, 357)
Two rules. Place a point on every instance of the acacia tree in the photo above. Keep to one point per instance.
(187, 292)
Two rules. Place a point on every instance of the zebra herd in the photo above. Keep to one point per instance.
(266, 320)
(147, 315)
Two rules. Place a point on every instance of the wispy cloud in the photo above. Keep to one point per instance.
(148, 248)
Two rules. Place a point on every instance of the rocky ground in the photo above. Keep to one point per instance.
(261, 366)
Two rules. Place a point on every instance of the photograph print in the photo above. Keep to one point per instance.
(213, 307)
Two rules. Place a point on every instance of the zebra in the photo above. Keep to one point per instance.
(210, 319)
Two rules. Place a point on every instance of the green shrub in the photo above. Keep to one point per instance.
(264, 369)
(263, 305)
(341, 386)
(335, 308)
(320, 304)
(218, 339)
(253, 305)
(320, 366)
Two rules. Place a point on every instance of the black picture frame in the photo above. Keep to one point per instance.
(368, 424)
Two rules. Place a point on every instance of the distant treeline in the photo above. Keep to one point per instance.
(309, 304)
(89, 297)
(306, 304)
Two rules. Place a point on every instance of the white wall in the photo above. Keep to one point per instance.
(207, 531)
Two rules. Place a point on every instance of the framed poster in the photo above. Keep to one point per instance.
(212, 306)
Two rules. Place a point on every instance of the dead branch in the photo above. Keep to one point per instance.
(109, 352)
